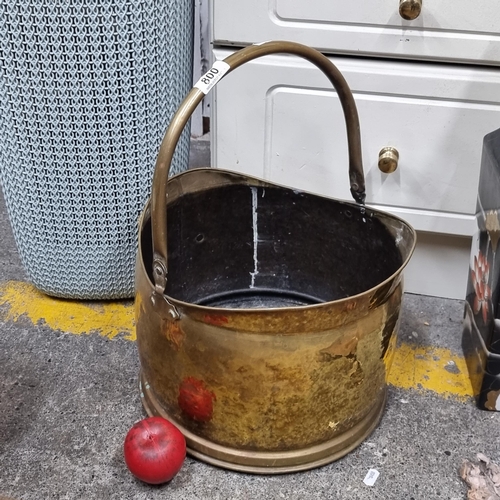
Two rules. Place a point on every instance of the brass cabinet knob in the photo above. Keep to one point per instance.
(388, 160)
(410, 9)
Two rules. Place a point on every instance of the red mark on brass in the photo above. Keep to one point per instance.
(195, 400)
(215, 319)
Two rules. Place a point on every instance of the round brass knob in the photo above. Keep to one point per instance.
(388, 160)
(410, 9)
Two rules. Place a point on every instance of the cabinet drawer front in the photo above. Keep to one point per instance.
(477, 17)
(278, 118)
(446, 30)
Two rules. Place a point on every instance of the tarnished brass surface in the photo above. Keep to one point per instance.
(303, 385)
(271, 462)
(266, 390)
(410, 9)
(388, 160)
(279, 381)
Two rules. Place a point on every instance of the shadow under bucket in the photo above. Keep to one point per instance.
(269, 344)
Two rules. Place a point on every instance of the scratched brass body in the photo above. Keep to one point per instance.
(278, 387)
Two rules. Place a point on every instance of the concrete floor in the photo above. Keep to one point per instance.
(67, 402)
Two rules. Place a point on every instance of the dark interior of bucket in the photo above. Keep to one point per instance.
(243, 246)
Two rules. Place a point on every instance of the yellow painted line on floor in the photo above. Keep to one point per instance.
(105, 318)
(413, 367)
(430, 368)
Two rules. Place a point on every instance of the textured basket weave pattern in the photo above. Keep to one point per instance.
(87, 89)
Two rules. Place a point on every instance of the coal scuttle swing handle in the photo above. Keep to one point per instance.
(195, 96)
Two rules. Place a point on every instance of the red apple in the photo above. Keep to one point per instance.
(154, 450)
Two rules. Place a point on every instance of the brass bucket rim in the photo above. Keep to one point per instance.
(260, 182)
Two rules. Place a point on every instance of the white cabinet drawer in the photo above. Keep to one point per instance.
(446, 30)
(278, 118)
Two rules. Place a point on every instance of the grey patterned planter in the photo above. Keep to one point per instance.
(86, 92)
